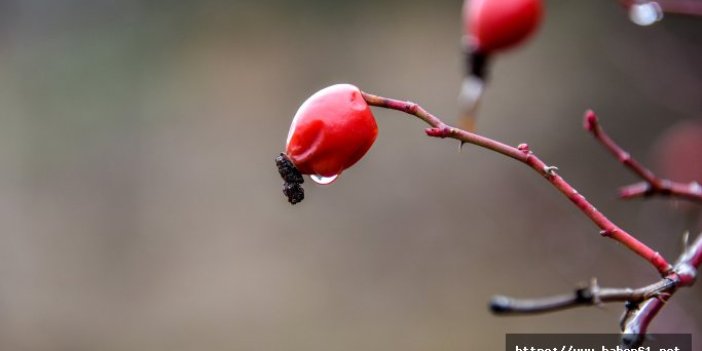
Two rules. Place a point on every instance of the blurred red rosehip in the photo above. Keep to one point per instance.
(494, 25)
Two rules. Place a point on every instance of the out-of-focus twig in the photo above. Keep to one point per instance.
(591, 295)
(651, 185)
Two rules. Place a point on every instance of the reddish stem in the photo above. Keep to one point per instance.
(651, 184)
(636, 325)
(522, 154)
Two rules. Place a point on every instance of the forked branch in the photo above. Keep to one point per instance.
(641, 304)
(651, 185)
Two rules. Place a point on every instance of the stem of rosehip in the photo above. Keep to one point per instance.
(523, 154)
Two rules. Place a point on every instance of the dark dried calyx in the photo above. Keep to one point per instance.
(292, 179)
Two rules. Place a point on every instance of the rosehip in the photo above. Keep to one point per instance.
(330, 132)
(493, 25)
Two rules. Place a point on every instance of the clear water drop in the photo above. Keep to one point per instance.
(645, 13)
(323, 180)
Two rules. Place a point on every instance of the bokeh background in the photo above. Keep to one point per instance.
(141, 208)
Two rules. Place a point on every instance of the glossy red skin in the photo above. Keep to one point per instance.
(331, 131)
(496, 25)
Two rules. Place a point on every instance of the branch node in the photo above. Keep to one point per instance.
(585, 295)
(592, 293)
(550, 170)
(624, 157)
(523, 147)
(606, 232)
(440, 132)
(686, 273)
(410, 107)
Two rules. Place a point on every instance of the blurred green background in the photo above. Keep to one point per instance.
(141, 208)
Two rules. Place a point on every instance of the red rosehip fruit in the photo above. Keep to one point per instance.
(330, 132)
(495, 25)
(490, 26)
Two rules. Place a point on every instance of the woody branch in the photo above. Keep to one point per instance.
(523, 154)
(651, 185)
(641, 304)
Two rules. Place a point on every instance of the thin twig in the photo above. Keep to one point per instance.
(588, 296)
(523, 154)
(651, 185)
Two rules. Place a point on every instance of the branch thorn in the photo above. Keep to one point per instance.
(523, 147)
(550, 170)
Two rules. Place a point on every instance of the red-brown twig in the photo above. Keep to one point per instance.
(651, 185)
(523, 154)
(638, 316)
(678, 7)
